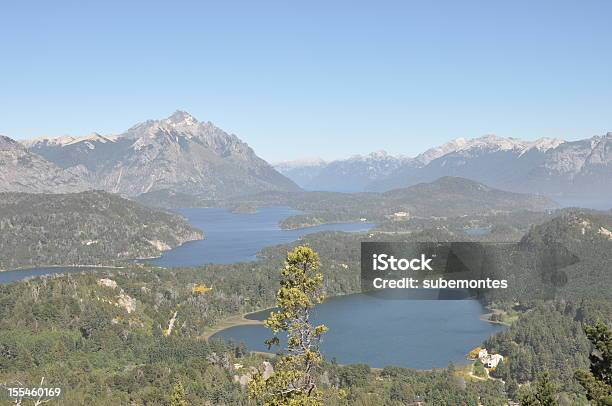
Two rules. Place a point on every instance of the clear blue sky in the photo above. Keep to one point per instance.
(319, 78)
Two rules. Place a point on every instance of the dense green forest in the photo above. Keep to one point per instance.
(109, 344)
(83, 228)
(105, 336)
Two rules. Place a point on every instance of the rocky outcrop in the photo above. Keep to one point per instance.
(266, 370)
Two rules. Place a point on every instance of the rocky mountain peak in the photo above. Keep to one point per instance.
(24, 171)
(545, 143)
(180, 117)
(436, 152)
(176, 153)
(179, 125)
(492, 141)
(7, 143)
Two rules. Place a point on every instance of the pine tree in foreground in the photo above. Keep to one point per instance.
(294, 381)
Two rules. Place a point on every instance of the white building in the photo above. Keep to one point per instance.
(489, 360)
(494, 360)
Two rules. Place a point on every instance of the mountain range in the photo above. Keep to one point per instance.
(178, 153)
(184, 156)
(350, 175)
(559, 169)
(24, 171)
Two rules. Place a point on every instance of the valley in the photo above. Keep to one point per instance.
(157, 295)
(149, 247)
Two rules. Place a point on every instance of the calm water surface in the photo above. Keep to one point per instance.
(412, 333)
(236, 237)
(420, 334)
(228, 237)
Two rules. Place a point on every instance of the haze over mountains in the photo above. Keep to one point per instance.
(350, 175)
(559, 169)
(177, 153)
(182, 155)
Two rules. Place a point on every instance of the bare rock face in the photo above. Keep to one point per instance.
(268, 370)
(109, 283)
(24, 171)
(178, 153)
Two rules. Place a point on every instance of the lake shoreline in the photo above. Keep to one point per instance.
(136, 260)
(30, 268)
(243, 320)
(233, 321)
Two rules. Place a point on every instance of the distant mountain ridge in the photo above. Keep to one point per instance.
(446, 197)
(557, 168)
(182, 155)
(23, 171)
(349, 175)
(178, 153)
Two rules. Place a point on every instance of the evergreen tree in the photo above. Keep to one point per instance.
(177, 397)
(542, 395)
(512, 388)
(598, 381)
(294, 380)
(545, 390)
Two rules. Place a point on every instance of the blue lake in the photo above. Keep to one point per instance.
(411, 333)
(236, 237)
(420, 334)
(228, 237)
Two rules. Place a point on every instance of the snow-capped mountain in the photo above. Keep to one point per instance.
(348, 175)
(548, 166)
(178, 153)
(302, 171)
(557, 168)
(487, 143)
(24, 171)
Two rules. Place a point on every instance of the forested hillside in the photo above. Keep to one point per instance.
(112, 329)
(83, 228)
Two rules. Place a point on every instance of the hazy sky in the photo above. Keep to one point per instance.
(319, 78)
